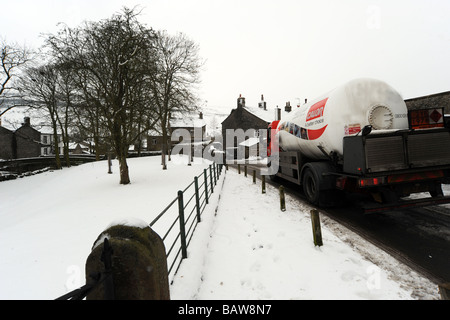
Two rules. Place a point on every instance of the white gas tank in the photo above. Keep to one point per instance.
(317, 128)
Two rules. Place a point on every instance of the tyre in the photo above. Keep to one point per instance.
(311, 187)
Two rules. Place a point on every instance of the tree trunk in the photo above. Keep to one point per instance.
(124, 176)
(56, 143)
(164, 148)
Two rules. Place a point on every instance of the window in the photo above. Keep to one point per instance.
(44, 140)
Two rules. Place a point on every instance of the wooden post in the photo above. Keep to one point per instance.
(245, 171)
(282, 199)
(444, 290)
(215, 176)
(239, 168)
(254, 176)
(263, 178)
(317, 232)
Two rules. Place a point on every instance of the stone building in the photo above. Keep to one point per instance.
(7, 150)
(25, 142)
(28, 141)
(193, 123)
(433, 101)
(245, 118)
(438, 100)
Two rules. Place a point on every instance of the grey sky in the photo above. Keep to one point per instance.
(287, 50)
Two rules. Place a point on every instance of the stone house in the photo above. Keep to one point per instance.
(438, 100)
(48, 146)
(194, 124)
(24, 142)
(7, 150)
(245, 118)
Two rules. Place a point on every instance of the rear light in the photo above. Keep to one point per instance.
(411, 177)
(370, 182)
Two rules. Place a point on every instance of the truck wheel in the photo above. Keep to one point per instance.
(311, 187)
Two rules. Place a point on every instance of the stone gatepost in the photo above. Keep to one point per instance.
(139, 264)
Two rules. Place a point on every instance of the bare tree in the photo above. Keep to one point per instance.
(41, 85)
(12, 59)
(114, 58)
(174, 82)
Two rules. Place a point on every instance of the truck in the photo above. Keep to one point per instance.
(360, 140)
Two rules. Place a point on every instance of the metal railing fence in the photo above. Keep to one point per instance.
(191, 202)
(185, 211)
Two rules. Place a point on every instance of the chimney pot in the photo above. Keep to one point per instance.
(288, 107)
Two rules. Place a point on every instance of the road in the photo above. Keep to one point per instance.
(418, 237)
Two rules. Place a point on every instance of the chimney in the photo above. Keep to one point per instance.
(278, 110)
(306, 100)
(201, 116)
(241, 102)
(288, 107)
(262, 104)
(26, 122)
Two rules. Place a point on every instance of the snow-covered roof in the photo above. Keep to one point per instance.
(267, 115)
(187, 121)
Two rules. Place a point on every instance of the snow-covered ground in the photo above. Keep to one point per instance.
(244, 248)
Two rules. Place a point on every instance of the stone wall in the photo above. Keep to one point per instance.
(439, 100)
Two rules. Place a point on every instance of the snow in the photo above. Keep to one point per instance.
(244, 248)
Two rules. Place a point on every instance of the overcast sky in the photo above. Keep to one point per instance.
(287, 50)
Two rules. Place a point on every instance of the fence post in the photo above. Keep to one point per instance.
(182, 227)
(239, 168)
(317, 232)
(197, 199)
(245, 171)
(254, 176)
(282, 199)
(263, 178)
(215, 176)
(211, 178)
(206, 185)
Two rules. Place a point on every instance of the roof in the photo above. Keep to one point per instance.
(435, 95)
(187, 121)
(268, 115)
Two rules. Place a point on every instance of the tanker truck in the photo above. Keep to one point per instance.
(359, 140)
